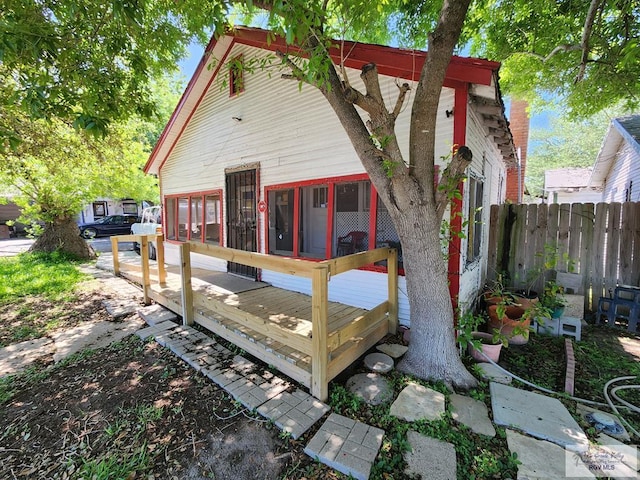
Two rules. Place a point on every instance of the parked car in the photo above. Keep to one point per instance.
(109, 225)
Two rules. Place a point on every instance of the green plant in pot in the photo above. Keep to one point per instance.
(495, 293)
(553, 299)
(475, 341)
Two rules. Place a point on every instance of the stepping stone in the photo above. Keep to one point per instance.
(394, 350)
(628, 453)
(494, 374)
(119, 309)
(544, 460)
(371, 387)
(473, 414)
(430, 458)
(416, 402)
(346, 445)
(378, 362)
(537, 415)
(154, 314)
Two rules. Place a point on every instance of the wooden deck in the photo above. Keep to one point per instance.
(306, 337)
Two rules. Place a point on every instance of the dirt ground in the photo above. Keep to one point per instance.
(134, 407)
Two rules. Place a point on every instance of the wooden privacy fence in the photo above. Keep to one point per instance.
(599, 242)
(306, 337)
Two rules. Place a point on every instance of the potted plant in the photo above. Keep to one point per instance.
(511, 321)
(475, 341)
(553, 298)
(495, 293)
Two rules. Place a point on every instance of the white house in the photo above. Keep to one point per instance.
(101, 207)
(570, 185)
(250, 161)
(617, 168)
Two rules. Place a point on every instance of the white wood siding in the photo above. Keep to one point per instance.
(625, 169)
(488, 166)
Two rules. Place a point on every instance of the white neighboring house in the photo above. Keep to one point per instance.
(250, 161)
(617, 168)
(570, 185)
(102, 207)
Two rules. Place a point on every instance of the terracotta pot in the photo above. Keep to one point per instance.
(489, 349)
(513, 318)
(524, 302)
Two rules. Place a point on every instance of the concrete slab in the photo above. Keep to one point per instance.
(15, 358)
(430, 458)
(394, 350)
(416, 402)
(346, 445)
(155, 314)
(628, 453)
(544, 460)
(371, 387)
(92, 335)
(473, 414)
(379, 362)
(537, 415)
(494, 374)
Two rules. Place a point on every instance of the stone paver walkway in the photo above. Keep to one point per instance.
(348, 446)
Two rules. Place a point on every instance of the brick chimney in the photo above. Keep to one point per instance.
(519, 125)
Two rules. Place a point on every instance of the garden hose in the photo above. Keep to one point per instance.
(618, 399)
(609, 403)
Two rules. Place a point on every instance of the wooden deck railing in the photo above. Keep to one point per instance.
(324, 341)
(143, 240)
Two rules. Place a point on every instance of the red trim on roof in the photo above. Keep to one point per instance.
(183, 99)
(394, 62)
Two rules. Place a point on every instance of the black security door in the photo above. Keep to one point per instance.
(241, 217)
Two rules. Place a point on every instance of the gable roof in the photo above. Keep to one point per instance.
(395, 62)
(625, 129)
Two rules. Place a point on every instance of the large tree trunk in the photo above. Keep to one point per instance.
(63, 235)
(432, 354)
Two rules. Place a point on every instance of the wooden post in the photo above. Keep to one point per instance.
(186, 292)
(116, 259)
(146, 282)
(162, 269)
(319, 357)
(392, 283)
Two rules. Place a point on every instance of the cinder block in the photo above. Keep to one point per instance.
(571, 326)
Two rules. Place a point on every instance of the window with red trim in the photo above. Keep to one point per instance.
(194, 217)
(328, 218)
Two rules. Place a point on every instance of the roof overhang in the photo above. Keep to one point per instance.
(606, 156)
(396, 62)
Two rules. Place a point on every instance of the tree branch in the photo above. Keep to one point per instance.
(586, 35)
(451, 176)
(404, 88)
(296, 71)
(424, 110)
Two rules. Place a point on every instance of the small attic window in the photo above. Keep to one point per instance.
(236, 76)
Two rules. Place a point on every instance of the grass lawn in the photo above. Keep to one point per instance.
(35, 292)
